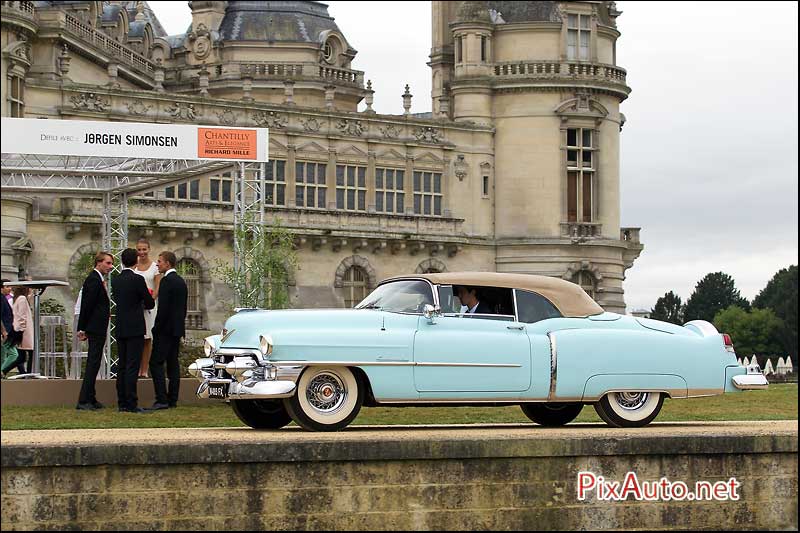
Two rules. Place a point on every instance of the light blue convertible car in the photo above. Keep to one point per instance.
(535, 341)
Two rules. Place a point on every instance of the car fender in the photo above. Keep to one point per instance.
(599, 385)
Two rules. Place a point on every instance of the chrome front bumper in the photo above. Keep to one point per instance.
(244, 377)
(249, 389)
(753, 380)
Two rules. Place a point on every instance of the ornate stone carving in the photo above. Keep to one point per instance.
(460, 167)
(427, 134)
(390, 131)
(201, 42)
(183, 111)
(351, 127)
(226, 117)
(311, 124)
(270, 119)
(138, 107)
(89, 101)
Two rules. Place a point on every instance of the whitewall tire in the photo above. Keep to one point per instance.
(629, 409)
(327, 398)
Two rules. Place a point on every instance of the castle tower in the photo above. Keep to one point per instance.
(544, 74)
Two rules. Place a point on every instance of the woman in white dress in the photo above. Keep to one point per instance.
(148, 269)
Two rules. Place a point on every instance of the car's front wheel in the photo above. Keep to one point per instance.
(552, 414)
(327, 398)
(629, 409)
(261, 414)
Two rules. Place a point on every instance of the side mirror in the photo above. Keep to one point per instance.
(430, 312)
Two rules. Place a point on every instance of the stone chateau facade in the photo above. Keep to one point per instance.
(515, 170)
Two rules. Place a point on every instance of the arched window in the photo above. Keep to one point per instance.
(190, 272)
(587, 282)
(354, 286)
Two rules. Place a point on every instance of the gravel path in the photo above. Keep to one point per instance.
(43, 438)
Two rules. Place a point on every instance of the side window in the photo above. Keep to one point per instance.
(533, 307)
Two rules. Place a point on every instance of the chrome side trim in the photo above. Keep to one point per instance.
(695, 393)
(500, 365)
(390, 363)
(553, 366)
(512, 401)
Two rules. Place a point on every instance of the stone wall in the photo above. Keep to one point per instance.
(510, 477)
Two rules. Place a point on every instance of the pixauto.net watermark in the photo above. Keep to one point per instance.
(662, 490)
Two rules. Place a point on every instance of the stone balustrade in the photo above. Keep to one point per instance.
(125, 55)
(24, 8)
(550, 69)
(581, 230)
(287, 70)
(629, 235)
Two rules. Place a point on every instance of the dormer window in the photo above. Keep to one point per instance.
(328, 51)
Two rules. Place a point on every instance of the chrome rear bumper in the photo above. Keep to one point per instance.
(753, 380)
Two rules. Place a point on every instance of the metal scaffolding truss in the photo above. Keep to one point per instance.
(248, 219)
(93, 176)
(113, 180)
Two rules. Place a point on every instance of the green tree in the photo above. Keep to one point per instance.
(270, 255)
(79, 270)
(668, 308)
(780, 295)
(752, 332)
(711, 295)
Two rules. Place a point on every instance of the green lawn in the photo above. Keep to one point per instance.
(779, 402)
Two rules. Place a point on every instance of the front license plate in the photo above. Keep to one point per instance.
(218, 391)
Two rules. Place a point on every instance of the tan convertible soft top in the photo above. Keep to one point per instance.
(568, 297)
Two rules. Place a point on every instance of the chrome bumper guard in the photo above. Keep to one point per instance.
(753, 380)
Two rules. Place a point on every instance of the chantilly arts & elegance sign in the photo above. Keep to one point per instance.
(133, 139)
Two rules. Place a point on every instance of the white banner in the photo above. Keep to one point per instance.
(133, 139)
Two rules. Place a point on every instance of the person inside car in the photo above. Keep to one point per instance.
(469, 298)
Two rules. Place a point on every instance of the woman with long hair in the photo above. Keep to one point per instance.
(23, 325)
(148, 269)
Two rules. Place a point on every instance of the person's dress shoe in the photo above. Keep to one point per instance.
(133, 410)
(85, 407)
(158, 406)
(98, 405)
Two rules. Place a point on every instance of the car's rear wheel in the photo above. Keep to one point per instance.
(327, 398)
(552, 414)
(261, 414)
(629, 409)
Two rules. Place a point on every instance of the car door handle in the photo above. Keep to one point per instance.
(515, 327)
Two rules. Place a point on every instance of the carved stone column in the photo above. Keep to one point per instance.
(14, 214)
(288, 92)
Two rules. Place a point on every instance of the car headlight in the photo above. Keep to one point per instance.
(265, 345)
(209, 345)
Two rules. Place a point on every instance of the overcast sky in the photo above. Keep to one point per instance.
(709, 149)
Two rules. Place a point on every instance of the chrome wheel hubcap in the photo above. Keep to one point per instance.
(631, 400)
(326, 392)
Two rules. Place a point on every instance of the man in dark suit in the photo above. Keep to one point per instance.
(469, 298)
(167, 332)
(131, 297)
(93, 325)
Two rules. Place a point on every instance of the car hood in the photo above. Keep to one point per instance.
(296, 325)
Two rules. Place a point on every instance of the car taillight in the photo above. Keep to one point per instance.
(726, 339)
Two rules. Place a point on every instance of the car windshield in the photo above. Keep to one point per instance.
(408, 296)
